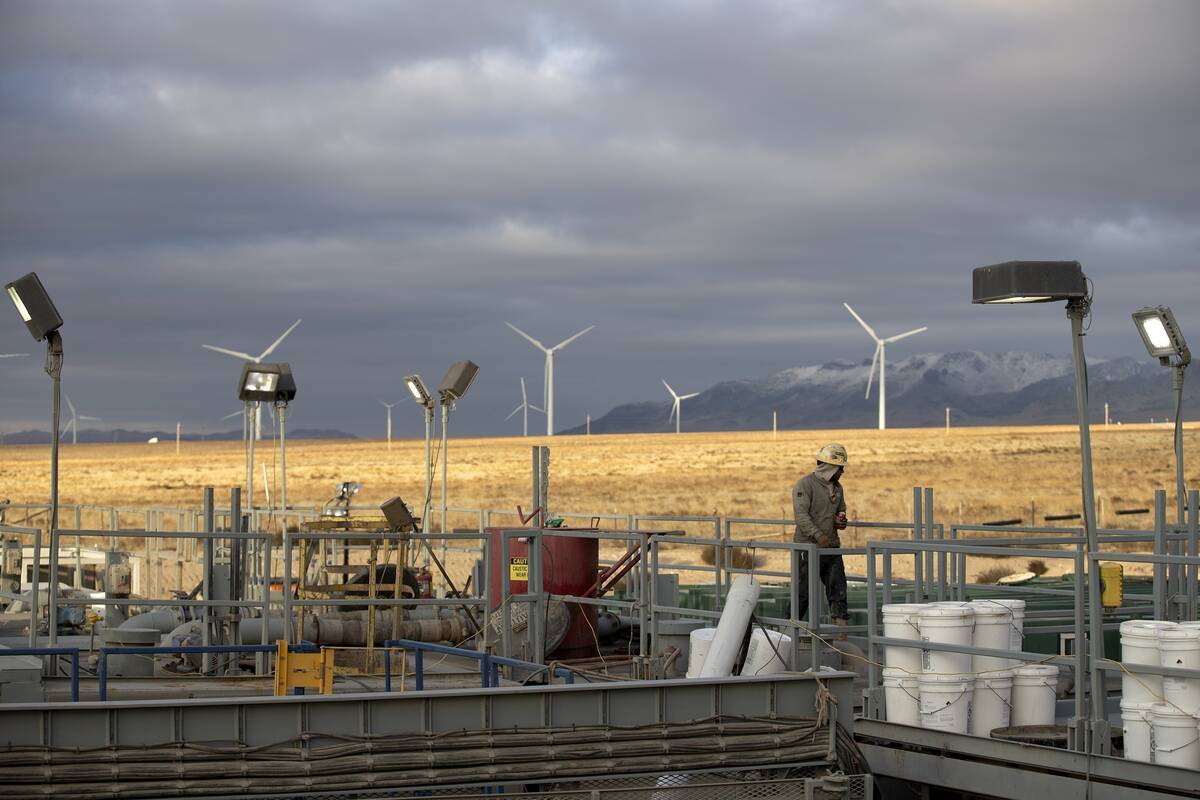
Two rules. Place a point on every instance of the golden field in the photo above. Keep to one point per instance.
(979, 474)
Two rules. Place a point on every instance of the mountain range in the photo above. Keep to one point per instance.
(978, 388)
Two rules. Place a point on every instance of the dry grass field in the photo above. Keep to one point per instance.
(979, 474)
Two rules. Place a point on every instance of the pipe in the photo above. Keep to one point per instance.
(163, 619)
(731, 629)
(351, 630)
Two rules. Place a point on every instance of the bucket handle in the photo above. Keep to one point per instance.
(1000, 697)
(1188, 743)
(952, 702)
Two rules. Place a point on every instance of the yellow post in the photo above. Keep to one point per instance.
(302, 670)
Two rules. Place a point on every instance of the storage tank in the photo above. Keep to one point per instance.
(570, 565)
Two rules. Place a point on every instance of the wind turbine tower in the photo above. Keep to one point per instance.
(524, 407)
(880, 360)
(257, 360)
(549, 370)
(675, 412)
(389, 407)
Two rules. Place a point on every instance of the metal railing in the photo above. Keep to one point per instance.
(489, 665)
(104, 652)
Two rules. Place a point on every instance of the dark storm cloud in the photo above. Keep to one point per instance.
(706, 182)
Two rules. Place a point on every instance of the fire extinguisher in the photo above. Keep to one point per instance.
(425, 582)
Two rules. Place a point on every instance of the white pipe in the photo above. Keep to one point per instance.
(731, 629)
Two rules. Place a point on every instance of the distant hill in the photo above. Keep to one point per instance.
(93, 435)
(979, 388)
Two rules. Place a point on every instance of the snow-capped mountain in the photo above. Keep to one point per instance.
(979, 388)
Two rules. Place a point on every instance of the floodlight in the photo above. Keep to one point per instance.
(267, 383)
(398, 515)
(1029, 282)
(34, 305)
(1161, 335)
(457, 381)
(417, 388)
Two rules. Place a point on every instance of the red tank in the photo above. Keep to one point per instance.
(569, 566)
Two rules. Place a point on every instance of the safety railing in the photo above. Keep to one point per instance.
(73, 652)
(489, 664)
(104, 652)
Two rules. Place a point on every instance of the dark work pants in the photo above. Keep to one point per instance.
(833, 576)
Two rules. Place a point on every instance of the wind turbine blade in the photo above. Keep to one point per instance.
(866, 327)
(13, 355)
(532, 340)
(871, 375)
(669, 389)
(674, 410)
(88, 419)
(539, 410)
(566, 342)
(275, 343)
(234, 353)
(524, 399)
(237, 413)
(70, 405)
(689, 396)
(516, 411)
(904, 335)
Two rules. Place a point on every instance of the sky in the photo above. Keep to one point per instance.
(705, 182)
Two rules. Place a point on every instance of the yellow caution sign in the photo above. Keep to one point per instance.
(1112, 589)
(518, 568)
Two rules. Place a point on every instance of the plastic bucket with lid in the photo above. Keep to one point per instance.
(1180, 647)
(1139, 645)
(762, 658)
(945, 702)
(699, 643)
(993, 629)
(946, 624)
(1176, 737)
(900, 622)
(901, 695)
(1135, 719)
(991, 705)
(1016, 632)
(1034, 693)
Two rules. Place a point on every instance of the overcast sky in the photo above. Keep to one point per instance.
(704, 182)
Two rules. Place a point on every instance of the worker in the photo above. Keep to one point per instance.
(819, 505)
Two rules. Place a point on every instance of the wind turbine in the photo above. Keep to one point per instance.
(524, 407)
(13, 355)
(549, 372)
(73, 424)
(389, 407)
(242, 412)
(257, 360)
(880, 359)
(675, 406)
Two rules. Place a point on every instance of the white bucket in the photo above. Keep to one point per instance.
(1139, 645)
(1034, 693)
(991, 705)
(900, 622)
(946, 624)
(761, 658)
(1016, 632)
(901, 694)
(1176, 737)
(699, 643)
(1135, 719)
(945, 702)
(993, 629)
(1180, 647)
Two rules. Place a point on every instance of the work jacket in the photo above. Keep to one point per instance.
(816, 502)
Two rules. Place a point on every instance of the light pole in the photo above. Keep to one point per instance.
(452, 389)
(1164, 341)
(265, 383)
(1045, 282)
(43, 321)
(420, 393)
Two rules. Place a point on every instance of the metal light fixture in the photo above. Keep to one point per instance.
(1162, 336)
(1164, 341)
(458, 380)
(42, 319)
(266, 383)
(417, 389)
(1044, 282)
(34, 305)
